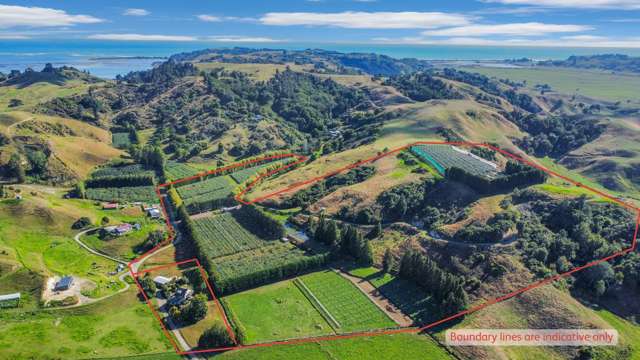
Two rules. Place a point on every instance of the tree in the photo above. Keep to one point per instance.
(148, 285)
(104, 221)
(80, 190)
(387, 261)
(215, 336)
(195, 310)
(81, 223)
(16, 169)
(15, 103)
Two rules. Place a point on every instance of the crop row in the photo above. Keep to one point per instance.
(222, 235)
(212, 188)
(123, 170)
(345, 302)
(123, 194)
(176, 170)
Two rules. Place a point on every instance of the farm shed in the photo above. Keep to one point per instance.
(64, 284)
(161, 280)
(10, 300)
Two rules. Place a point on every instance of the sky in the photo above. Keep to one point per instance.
(559, 23)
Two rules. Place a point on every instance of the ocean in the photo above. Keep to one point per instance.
(107, 59)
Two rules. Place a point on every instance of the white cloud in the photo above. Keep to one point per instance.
(520, 29)
(367, 20)
(141, 37)
(569, 41)
(209, 18)
(13, 37)
(578, 4)
(136, 12)
(238, 38)
(13, 16)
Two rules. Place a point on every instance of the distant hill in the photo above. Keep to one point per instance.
(323, 61)
(613, 62)
(49, 74)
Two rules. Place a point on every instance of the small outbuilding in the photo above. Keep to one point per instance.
(109, 206)
(64, 284)
(154, 213)
(10, 300)
(161, 280)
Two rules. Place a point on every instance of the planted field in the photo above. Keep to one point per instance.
(121, 140)
(410, 299)
(347, 305)
(221, 235)
(123, 170)
(123, 194)
(218, 187)
(443, 157)
(254, 267)
(399, 346)
(176, 170)
(276, 312)
(243, 175)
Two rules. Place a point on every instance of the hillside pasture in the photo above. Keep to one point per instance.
(591, 83)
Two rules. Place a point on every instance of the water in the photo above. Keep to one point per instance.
(100, 57)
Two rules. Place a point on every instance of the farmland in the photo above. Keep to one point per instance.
(124, 194)
(348, 306)
(443, 157)
(221, 235)
(207, 194)
(399, 346)
(243, 175)
(177, 170)
(121, 170)
(243, 270)
(275, 312)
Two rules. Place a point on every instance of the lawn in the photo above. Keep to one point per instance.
(399, 346)
(125, 247)
(276, 312)
(591, 83)
(345, 302)
(119, 326)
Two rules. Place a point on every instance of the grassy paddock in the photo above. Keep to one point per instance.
(275, 312)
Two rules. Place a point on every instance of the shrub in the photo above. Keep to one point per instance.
(215, 336)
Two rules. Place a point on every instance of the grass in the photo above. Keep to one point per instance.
(259, 72)
(275, 312)
(41, 240)
(125, 247)
(192, 332)
(629, 333)
(345, 302)
(119, 326)
(399, 346)
(590, 83)
(38, 93)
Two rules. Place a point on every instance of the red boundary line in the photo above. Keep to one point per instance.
(300, 159)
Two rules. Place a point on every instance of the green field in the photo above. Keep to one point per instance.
(40, 240)
(125, 247)
(276, 312)
(122, 170)
(591, 83)
(221, 235)
(124, 194)
(176, 170)
(121, 140)
(345, 302)
(118, 326)
(399, 346)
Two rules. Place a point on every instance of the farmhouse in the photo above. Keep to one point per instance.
(64, 284)
(10, 300)
(181, 296)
